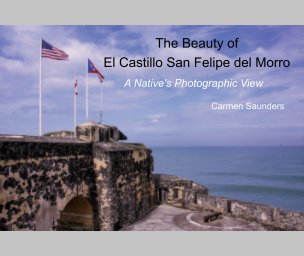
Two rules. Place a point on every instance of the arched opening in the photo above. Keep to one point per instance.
(77, 215)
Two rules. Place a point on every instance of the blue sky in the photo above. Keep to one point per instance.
(156, 117)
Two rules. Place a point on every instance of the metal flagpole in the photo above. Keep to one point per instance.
(87, 93)
(40, 90)
(75, 104)
(101, 110)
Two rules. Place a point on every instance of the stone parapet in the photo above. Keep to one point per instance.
(94, 132)
(93, 182)
(176, 191)
(183, 193)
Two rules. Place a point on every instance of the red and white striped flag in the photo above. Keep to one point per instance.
(51, 52)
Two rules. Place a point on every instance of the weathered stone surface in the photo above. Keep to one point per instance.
(39, 176)
(127, 176)
(35, 172)
(93, 132)
(176, 191)
(215, 203)
(60, 134)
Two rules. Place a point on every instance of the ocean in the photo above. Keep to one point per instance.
(267, 175)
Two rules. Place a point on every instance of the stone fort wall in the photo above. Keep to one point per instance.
(187, 194)
(96, 182)
(49, 183)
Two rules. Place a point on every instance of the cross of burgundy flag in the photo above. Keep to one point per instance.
(76, 87)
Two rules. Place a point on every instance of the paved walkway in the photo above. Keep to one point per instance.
(170, 218)
(160, 219)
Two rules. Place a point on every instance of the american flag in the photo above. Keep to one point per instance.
(76, 87)
(49, 51)
(94, 70)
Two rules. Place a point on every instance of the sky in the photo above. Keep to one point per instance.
(153, 116)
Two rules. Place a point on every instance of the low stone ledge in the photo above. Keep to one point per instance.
(190, 195)
(214, 203)
(252, 211)
(37, 139)
(60, 134)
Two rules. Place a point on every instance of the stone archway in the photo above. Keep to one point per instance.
(77, 215)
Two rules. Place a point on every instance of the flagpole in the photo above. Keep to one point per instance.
(87, 93)
(40, 90)
(75, 105)
(101, 93)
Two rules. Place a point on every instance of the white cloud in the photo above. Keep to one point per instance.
(156, 118)
(172, 110)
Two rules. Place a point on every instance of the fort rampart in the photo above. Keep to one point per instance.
(97, 182)
(187, 194)
(90, 183)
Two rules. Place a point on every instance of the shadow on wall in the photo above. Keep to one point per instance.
(77, 215)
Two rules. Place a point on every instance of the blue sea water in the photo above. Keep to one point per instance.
(267, 175)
